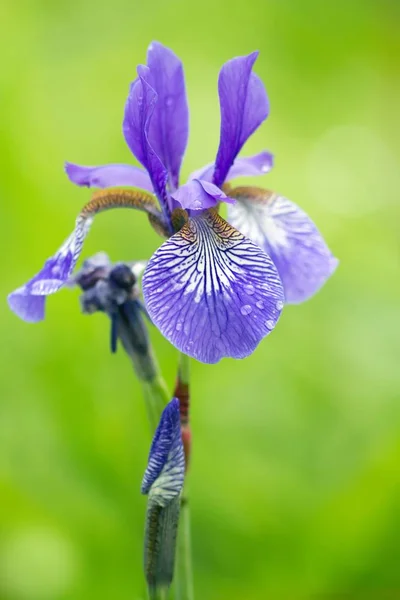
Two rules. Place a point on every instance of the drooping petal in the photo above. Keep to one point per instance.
(248, 166)
(244, 106)
(169, 125)
(28, 301)
(288, 235)
(108, 176)
(165, 471)
(139, 109)
(29, 308)
(211, 291)
(199, 195)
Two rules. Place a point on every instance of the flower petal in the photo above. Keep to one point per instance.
(244, 106)
(211, 291)
(199, 195)
(251, 166)
(169, 125)
(54, 274)
(28, 308)
(139, 109)
(108, 176)
(288, 235)
(248, 166)
(166, 465)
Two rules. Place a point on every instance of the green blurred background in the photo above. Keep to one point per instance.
(295, 484)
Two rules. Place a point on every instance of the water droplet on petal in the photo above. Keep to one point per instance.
(269, 324)
(249, 289)
(178, 326)
(260, 304)
(197, 204)
(169, 101)
(279, 305)
(265, 168)
(245, 309)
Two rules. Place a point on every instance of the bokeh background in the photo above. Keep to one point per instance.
(295, 484)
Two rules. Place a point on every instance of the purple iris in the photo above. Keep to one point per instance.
(210, 290)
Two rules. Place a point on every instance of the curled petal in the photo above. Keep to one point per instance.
(288, 235)
(248, 166)
(139, 109)
(108, 176)
(28, 301)
(169, 125)
(251, 166)
(244, 106)
(165, 471)
(211, 291)
(199, 195)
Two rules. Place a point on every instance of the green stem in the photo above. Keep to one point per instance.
(184, 368)
(183, 571)
(156, 397)
(159, 594)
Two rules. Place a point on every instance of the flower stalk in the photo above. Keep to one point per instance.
(184, 574)
(113, 290)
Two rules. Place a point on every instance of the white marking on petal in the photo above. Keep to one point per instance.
(288, 235)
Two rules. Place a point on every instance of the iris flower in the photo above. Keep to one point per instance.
(215, 288)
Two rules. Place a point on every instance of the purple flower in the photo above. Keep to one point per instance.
(211, 291)
(165, 473)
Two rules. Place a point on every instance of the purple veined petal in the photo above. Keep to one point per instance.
(289, 236)
(169, 125)
(199, 195)
(28, 301)
(211, 291)
(139, 109)
(248, 166)
(244, 106)
(165, 470)
(109, 176)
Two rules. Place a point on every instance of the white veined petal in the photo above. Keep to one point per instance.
(211, 291)
(288, 235)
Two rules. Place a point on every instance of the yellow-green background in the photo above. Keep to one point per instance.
(295, 485)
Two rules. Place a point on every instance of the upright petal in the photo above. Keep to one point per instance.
(139, 109)
(288, 235)
(199, 195)
(211, 291)
(248, 166)
(109, 176)
(169, 125)
(244, 106)
(166, 465)
(28, 301)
